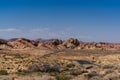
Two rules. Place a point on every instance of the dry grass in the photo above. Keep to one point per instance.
(59, 65)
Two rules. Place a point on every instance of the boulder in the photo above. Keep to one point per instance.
(71, 43)
(55, 42)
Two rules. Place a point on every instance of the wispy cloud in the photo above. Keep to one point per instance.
(8, 30)
(45, 33)
(48, 33)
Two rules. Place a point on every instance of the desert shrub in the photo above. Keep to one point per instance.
(49, 68)
(3, 72)
(62, 77)
(22, 72)
(44, 68)
(70, 65)
(96, 78)
(112, 76)
(17, 56)
(109, 67)
(92, 74)
(76, 72)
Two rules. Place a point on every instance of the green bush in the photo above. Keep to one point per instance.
(63, 77)
(17, 56)
(48, 68)
(3, 72)
(22, 72)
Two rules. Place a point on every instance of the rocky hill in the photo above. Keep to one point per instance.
(22, 43)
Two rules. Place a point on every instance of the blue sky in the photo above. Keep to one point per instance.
(87, 20)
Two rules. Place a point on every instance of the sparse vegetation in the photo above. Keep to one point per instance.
(65, 65)
(3, 72)
(46, 67)
(63, 77)
(17, 56)
(76, 72)
(22, 72)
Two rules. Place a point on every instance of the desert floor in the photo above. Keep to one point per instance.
(36, 64)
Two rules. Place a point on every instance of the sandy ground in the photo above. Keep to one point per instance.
(88, 64)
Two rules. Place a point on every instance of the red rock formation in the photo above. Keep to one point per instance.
(71, 43)
(51, 44)
(21, 43)
(4, 45)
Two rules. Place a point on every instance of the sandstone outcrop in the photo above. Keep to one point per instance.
(4, 45)
(50, 44)
(71, 43)
(21, 43)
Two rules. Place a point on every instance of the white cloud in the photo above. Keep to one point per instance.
(8, 30)
(45, 33)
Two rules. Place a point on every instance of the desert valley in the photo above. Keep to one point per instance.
(55, 59)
